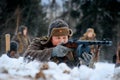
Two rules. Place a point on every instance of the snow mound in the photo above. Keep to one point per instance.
(12, 69)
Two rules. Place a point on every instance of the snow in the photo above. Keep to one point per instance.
(12, 69)
(46, 2)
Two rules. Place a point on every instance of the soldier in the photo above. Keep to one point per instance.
(118, 56)
(116, 75)
(12, 53)
(50, 48)
(22, 39)
(91, 35)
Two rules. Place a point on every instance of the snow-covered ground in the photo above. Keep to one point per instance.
(17, 69)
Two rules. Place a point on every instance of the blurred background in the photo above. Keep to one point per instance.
(102, 15)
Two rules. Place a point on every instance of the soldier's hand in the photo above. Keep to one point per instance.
(84, 54)
(60, 51)
(80, 49)
(29, 56)
(86, 57)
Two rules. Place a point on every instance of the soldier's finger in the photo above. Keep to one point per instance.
(26, 54)
(84, 56)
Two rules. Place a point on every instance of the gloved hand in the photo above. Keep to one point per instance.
(12, 54)
(60, 51)
(83, 52)
(86, 58)
(29, 56)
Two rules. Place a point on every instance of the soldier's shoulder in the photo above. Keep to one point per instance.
(18, 35)
(39, 39)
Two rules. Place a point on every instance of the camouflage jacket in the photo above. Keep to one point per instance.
(41, 49)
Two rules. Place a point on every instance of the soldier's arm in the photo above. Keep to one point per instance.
(16, 38)
(36, 51)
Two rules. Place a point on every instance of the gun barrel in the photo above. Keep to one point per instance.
(75, 44)
(86, 42)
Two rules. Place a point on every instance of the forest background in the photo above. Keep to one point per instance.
(102, 15)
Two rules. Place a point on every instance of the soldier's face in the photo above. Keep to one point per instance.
(25, 32)
(59, 39)
(90, 35)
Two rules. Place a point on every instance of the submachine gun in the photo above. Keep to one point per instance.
(75, 44)
(85, 44)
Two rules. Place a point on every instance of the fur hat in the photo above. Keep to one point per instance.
(21, 28)
(90, 30)
(59, 27)
(13, 47)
